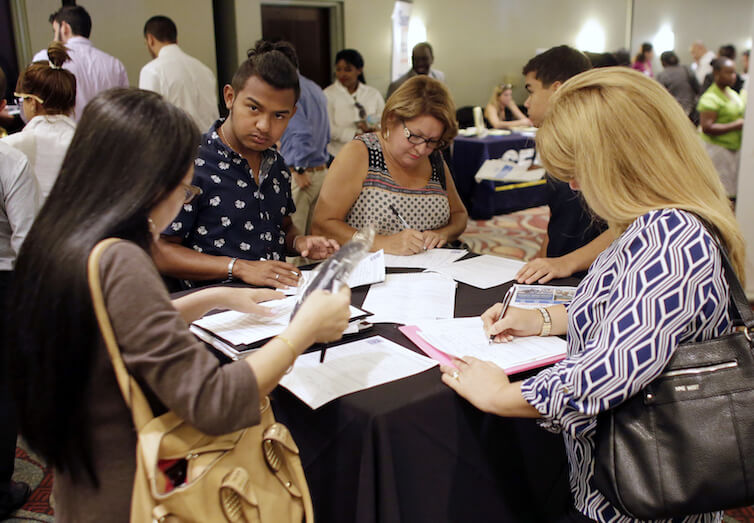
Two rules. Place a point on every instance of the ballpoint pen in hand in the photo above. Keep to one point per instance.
(506, 301)
(395, 211)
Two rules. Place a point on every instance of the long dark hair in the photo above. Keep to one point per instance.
(646, 47)
(130, 150)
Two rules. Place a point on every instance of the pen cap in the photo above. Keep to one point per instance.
(335, 271)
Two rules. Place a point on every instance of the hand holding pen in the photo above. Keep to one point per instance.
(504, 307)
(406, 242)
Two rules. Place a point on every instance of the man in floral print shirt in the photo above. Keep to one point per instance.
(240, 226)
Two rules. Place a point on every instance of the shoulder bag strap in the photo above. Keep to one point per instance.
(738, 301)
(132, 394)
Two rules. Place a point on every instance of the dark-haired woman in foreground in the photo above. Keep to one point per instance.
(127, 173)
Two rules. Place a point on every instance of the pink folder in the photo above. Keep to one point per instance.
(412, 333)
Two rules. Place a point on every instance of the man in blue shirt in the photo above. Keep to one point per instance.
(304, 147)
(240, 226)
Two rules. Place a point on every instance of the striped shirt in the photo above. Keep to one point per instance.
(424, 209)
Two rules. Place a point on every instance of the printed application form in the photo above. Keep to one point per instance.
(461, 337)
(350, 368)
(412, 297)
(239, 328)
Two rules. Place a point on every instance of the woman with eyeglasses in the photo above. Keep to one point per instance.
(353, 106)
(396, 180)
(126, 175)
(46, 93)
(502, 111)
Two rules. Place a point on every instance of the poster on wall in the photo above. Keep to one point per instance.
(401, 53)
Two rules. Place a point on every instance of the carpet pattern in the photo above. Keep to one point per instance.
(516, 235)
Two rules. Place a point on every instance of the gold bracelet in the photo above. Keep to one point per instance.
(546, 322)
(290, 346)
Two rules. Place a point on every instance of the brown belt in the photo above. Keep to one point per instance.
(317, 168)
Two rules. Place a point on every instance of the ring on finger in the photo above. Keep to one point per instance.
(455, 375)
(277, 276)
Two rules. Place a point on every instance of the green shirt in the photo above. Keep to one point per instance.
(729, 106)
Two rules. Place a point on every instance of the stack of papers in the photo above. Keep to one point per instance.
(408, 298)
(501, 170)
(370, 270)
(231, 329)
(461, 337)
(351, 367)
(430, 259)
(482, 271)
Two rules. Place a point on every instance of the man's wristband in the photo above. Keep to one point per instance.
(231, 263)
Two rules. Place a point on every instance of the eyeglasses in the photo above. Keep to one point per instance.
(360, 108)
(192, 191)
(20, 97)
(418, 140)
(505, 87)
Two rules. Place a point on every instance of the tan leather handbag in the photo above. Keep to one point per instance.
(182, 474)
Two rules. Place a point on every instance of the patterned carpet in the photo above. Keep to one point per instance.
(517, 235)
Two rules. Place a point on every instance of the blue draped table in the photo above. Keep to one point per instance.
(489, 198)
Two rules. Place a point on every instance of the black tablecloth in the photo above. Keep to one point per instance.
(414, 451)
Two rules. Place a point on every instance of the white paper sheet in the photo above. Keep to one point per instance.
(482, 271)
(465, 337)
(426, 260)
(240, 328)
(350, 368)
(412, 297)
(370, 270)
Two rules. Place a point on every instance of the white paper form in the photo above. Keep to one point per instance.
(427, 259)
(369, 270)
(240, 328)
(412, 297)
(350, 368)
(465, 337)
(482, 271)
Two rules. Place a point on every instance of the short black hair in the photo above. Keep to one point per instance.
(75, 16)
(719, 63)
(424, 45)
(669, 58)
(352, 57)
(728, 51)
(557, 64)
(162, 28)
(275, 63)
(3, 83)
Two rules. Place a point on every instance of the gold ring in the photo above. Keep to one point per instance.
(277, 276)
(455, 375)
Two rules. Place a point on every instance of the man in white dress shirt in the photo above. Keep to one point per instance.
(94, 70)
(702, 65)
(182, 79)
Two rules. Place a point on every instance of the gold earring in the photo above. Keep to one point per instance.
(152, 226)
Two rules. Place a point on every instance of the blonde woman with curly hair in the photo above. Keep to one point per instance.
(621, 139)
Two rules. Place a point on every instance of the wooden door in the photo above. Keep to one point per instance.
(308, 29)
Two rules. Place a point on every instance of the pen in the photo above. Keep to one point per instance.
(322, 354)
(395, 211)
(506, 301)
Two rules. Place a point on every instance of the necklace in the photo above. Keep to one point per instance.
(222, 135)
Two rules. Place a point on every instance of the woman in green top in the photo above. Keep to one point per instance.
(721, 112)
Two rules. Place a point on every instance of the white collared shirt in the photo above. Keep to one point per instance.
(94, 70)
(44, 141)
(19, 203)
(343, 113)
(185, 82)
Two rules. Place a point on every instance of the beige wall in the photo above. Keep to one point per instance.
(477, 43)
(117, 28)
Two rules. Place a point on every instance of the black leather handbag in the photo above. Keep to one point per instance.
(685, 443)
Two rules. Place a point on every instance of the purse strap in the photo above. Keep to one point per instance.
(738, 301)
(141, 412)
